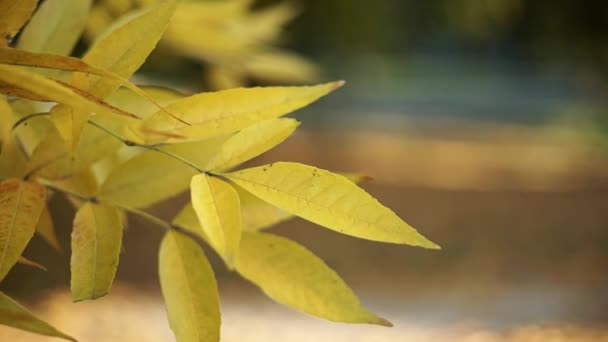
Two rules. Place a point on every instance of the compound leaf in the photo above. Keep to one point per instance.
(140, 182)
(116, 51)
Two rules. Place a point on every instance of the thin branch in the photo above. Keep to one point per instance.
(138, 212)
(148, 147)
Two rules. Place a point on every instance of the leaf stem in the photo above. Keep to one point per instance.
(148, 147)
(141, 213)
(26, 118)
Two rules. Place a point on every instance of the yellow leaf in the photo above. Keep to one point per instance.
(12, 160)
(227, 111)
(328, 199)
(25, 261)
(124, 47)
(154, 176)
(217, 207)
(21, 204)
(222, 77)
(291, 275)
(251, 142)
(115, 52)
(256, 214)
(96, 241)
(189, 289)
(52, 159)
(280, 66)
(14, 315)
(55, 27)
(13, 15)
(131, 102)
(45, 60)
(52, 90)
(187, 219)
(37, 128)
(46, 229)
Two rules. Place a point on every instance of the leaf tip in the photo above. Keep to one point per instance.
(383, 322)
(338, 84)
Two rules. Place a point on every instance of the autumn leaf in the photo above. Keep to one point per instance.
(217, 207)
(256, 214)
(55, 27)
(46, 229)
(96, 241)
(115, 52)
(140, 182)
(291, 275)
(46, 89)
(21, 204)
(329, 200)
(14, 315)
(189, 289)
(251, 142)
(13, 15)
(222, 112)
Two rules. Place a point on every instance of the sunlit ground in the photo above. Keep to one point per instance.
(132, 315)
(521, 218)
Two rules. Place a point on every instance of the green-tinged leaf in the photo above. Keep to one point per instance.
(217, 207)
(154, 176)
(46, 229)
(25, 261)
(227, 111)
(51, 90)
(52, 159)
(251, 142)
(291, 275)
(328, 199)
(13, 15)
(14, 315)
(55, 27)
(96, 241)
(21, 204)
(189, 289)
(124, 47)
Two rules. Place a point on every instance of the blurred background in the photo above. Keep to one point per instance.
(483, 124)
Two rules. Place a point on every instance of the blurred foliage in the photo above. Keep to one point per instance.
(234, 42)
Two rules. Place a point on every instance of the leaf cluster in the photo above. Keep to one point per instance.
(77, 127)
